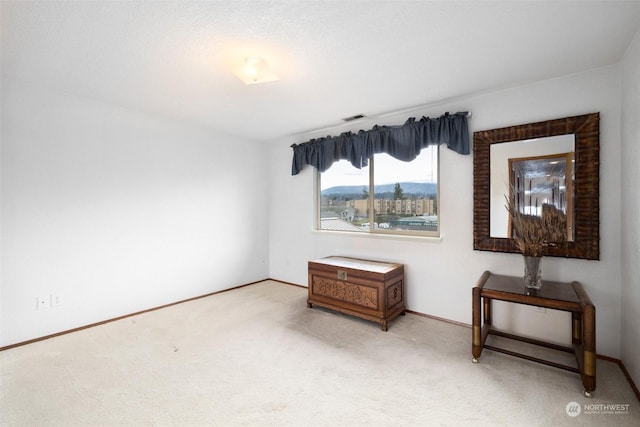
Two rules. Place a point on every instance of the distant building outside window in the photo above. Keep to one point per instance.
(388, 196)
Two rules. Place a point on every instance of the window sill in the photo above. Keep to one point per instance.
(383, 236)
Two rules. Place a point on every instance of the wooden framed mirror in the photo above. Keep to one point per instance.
(578, 139)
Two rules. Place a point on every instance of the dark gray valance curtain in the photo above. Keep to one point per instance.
(401, 142)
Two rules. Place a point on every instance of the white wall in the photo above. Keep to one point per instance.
(119, 211)
(630, 210)
(440, 274)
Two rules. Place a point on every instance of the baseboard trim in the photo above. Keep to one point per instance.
(91, 325)
(288, 283)
(633, 385)
(417, 313)
(441, 319)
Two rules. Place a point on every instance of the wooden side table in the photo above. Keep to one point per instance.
(554, 295)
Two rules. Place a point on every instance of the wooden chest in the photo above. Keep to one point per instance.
(367, 289)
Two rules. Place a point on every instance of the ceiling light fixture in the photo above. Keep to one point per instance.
(255, 70)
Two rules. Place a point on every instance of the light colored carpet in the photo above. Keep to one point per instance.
(256, 356)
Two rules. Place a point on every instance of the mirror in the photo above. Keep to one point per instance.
(535, 173)
(546, 165)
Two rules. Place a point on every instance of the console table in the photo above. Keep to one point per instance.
(569, 297)
(367, 289)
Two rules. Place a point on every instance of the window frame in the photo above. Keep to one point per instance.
(371, 202)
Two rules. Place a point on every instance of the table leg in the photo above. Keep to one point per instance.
(487, 311)
(576, 328)
(476, 326)
(589, 349)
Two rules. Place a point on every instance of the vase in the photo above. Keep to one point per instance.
(533, 272)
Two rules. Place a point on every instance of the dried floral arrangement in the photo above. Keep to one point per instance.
(532, 234)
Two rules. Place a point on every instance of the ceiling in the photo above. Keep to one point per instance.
(334, 59)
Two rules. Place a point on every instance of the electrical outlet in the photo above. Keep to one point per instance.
(56, 300)
(43, 302)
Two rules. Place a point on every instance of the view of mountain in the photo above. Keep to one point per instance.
(417, 189)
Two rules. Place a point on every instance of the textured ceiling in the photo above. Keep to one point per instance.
(334, 59)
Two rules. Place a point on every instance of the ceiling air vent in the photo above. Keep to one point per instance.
(352, 118)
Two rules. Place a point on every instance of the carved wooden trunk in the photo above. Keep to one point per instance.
(367, 289)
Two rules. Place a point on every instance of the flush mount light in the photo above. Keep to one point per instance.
(255, 70)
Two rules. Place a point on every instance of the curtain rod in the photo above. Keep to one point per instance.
(374, 118)
(407, 110)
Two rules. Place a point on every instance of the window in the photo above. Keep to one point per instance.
(404, 196)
